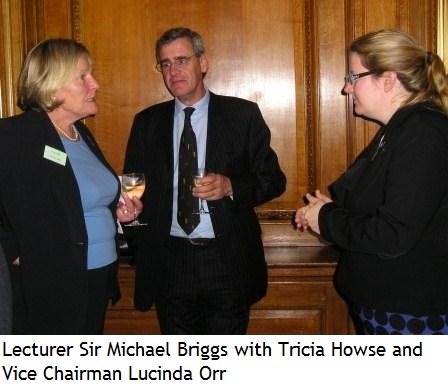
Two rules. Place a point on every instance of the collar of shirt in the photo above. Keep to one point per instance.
(199, 121)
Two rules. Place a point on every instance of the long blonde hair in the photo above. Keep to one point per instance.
(421, 73)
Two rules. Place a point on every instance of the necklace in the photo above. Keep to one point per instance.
(65, 134)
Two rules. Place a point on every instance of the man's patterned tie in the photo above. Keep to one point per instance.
(187, 205)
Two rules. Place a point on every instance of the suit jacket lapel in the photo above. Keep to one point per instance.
(61, 177)
(215, 134)
(166, 130)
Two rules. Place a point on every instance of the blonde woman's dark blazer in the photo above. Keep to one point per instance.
(42, 222)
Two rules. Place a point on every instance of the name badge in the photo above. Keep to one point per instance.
(55, 155)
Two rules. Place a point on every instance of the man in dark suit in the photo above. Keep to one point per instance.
(204, 277)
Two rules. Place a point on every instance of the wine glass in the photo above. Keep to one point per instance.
(133, 184)
(200, 173)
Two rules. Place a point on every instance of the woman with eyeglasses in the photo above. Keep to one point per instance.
(388, 214)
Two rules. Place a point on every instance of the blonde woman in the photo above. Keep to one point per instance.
(388, 213)
(58, 198)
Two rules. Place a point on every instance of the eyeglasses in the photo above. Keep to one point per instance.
(352, 77)
(179, 62)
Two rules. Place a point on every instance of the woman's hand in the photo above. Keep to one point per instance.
(128, 208)
(308, 216)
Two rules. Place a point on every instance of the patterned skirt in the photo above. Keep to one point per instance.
(371, 321)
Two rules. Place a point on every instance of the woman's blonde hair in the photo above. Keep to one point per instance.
(48, 66)
(421, 73)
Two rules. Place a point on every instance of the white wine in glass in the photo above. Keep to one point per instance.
(133, 184)
(200, 173)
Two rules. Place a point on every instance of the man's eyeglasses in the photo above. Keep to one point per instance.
(352, 77)
(179, 62)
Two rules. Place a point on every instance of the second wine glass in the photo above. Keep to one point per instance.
(200, 174)
(133, 184)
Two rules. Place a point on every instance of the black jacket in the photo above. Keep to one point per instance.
(42, 222)
(5, 297)
(390, 217)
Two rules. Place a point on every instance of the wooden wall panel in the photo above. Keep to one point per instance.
(303, 108)
(330, 134)
(442, 29)
(11, 54)
(58, 18)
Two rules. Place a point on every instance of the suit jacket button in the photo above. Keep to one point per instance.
(80, 244)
